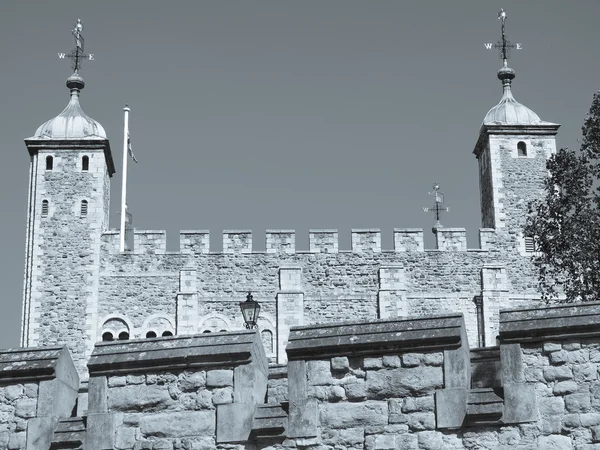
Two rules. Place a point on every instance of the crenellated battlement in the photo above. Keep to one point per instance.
(363, 241)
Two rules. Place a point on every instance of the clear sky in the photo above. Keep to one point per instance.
(285, 114)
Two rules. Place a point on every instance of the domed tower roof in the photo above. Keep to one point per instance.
(72, 122)
(509, 111)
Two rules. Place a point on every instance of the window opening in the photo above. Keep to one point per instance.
(167, 333)
(123, 336)
(85, 163)
(522, 149)
(530, 244)
(206, 331)
(150, 334)
(49, 162)
(84, 208)
(44, 208)
(108, 336)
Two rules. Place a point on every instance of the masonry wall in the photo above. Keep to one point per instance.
(336, 285)
(18, 403)
(61, 279)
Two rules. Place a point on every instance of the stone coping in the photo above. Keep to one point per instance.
(351, 338)
(179, 352)
(30, 364)
(559, 322)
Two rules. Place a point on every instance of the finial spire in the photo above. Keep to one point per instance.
(77, 56)
(437, 208)
(505, 74)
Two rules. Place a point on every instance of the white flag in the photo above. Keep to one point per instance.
(129, 148)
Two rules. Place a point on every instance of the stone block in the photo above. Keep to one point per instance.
(577, 403)
(348, 415)
(139, 398)
(565, 387)
(99, 432)
(234, 422)
(26, 408)
(554, 442)
(97, 394)
(222, 396)
(340, 364)
(403, 382)
(391, 361)
(319, 373)
(124, 438)
(40, 431)
(519, 403)
(178, 424)
(451, 407)
(557, 373)
(302, 419)
(192, 381)
(430, 440)
(219, 378)
(372, 363)
(411, 359)
(297, 380)
(250, 383)
(356, 391)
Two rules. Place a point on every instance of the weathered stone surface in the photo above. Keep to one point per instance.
(348, 415)
(178, 424)
(565, 387)
(554, 442)
(403, 382)
(319, 372)
(430, 440)
(124, 438)
(340, 364)
(139, 398)
(26, 408)
(356, 391)
(219, 378)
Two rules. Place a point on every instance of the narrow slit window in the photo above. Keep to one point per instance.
(84, 208)
(530, 244)
(522, 149)
(44, 208)
(49, 162)
(85, 163)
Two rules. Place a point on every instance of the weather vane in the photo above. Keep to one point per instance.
(504, 45)
(437, 208)
(77, 55)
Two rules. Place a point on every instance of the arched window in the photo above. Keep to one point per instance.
(267, 340)
(521, 149)
(167, 333)
(207, 331)
(123, 336)
(49, 162)
(84, 208)
(107, 336)
(44, 208)
(150, 334)
(85, 163)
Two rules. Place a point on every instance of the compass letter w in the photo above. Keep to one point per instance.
(488, 45)
(61, 55)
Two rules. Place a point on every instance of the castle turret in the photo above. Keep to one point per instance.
(513, 147)
(68, 204)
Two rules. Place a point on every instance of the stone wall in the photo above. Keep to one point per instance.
(333, 285)
(409, 383)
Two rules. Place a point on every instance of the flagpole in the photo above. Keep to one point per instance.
(124, 179)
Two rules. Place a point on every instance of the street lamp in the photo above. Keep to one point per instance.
(250, 309)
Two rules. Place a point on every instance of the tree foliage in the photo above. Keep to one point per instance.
(566, 223)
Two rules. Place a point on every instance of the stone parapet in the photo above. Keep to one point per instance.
(410, 334)
(366, 240)
(148, 242)
(323, 241)
(451, 239)
(194, 242)
(280, 241)
(562, 322)
(408, 240)
(237, 241)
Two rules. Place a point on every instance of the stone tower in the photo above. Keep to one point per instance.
(512, 149)
(69, 179)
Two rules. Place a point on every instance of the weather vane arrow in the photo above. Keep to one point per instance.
(437, 208)
(77, 55)
(503, 45)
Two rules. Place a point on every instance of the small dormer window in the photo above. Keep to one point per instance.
(49, 162)
(44, 208)
(84, 208)
(522, 149)
(85, 163)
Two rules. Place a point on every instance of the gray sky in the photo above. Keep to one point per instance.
(280, 114)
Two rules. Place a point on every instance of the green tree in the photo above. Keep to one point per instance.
(566, 223)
